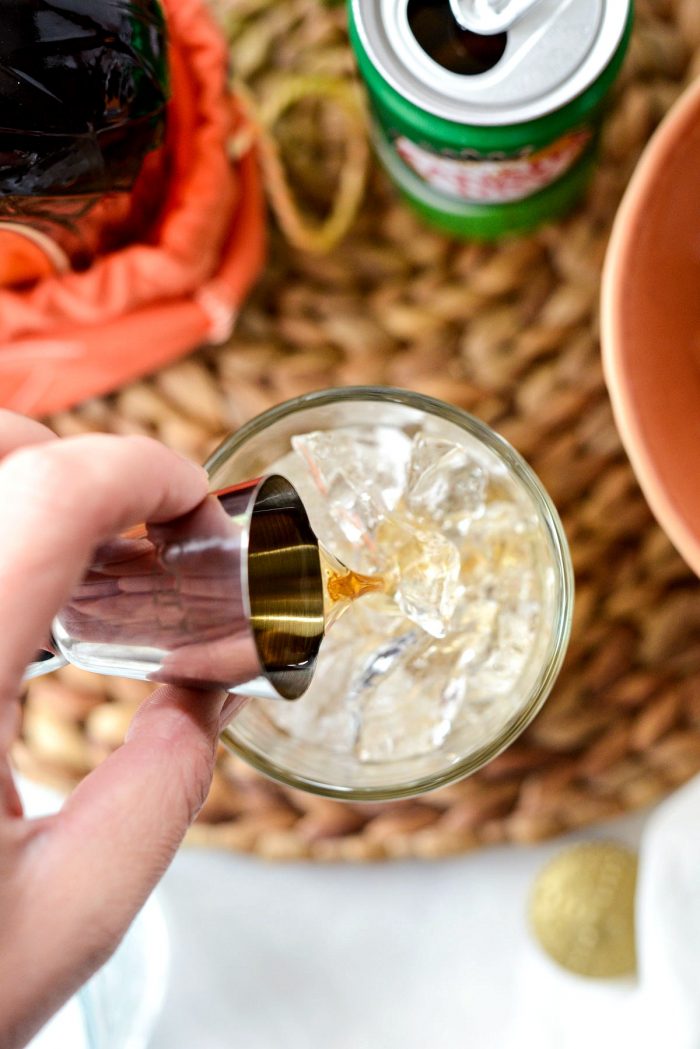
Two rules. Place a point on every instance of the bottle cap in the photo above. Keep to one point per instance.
(582, 909)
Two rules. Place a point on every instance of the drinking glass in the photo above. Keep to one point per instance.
(319, 765)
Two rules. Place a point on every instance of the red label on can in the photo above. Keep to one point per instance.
(495, 180)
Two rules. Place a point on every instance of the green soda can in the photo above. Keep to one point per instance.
(489, 133)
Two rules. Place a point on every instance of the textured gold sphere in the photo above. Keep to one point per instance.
(582, 909)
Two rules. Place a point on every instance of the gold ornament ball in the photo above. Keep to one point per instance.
(582, 909)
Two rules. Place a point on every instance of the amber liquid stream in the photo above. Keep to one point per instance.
(342, 586)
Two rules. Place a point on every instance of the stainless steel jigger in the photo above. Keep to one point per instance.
(228, 596)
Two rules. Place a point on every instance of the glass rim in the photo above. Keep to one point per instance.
(561, 562)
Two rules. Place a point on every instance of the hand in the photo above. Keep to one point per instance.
(71, 884)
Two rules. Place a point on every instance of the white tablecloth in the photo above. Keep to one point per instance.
(392, 956)
(395, 956)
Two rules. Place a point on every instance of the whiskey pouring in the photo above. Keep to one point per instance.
(415, 685)
(237, 594)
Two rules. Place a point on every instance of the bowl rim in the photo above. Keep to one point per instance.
(619, 261)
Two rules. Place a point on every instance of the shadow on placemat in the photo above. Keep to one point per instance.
(510, 333)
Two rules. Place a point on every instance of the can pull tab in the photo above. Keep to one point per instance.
(489, 17)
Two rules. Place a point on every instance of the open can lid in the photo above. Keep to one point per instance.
(552, 54)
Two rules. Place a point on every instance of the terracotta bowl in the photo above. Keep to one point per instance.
(651, 324)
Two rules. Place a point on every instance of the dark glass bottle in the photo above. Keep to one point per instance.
(83, 91)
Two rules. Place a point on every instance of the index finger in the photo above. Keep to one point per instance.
(59, 501)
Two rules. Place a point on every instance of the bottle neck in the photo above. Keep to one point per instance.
(29, 254)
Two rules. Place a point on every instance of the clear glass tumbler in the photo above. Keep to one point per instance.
(320, 764)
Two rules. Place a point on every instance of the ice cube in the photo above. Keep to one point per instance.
(445, 483)
(379, 613)
(358, 650)
(355, 555)
(475, 623)
(362, 477)
(408, 700)
(329, 716)
(359, 476)
(371, 463)
(435, 660)
(424, 567)
(499, 553)
(324, 719)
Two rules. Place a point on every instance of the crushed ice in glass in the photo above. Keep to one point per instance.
(461, 548)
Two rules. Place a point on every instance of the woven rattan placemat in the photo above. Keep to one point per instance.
(510, 333)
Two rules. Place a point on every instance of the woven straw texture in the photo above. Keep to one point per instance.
(508, 332)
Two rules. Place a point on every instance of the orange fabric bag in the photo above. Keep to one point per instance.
(192, 238)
